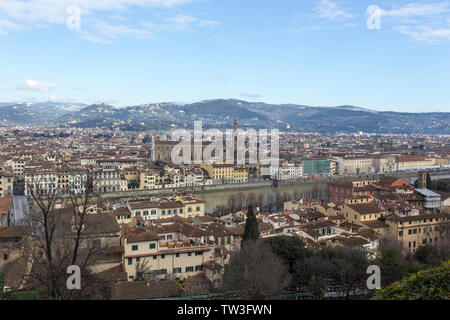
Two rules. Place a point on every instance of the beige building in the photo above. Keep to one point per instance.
(355, 165)
(6, 184)
(360, 213)
(414, 231)
(228, 173)
(162, 208)
(384, 164)
(177, 250)
(414, 162)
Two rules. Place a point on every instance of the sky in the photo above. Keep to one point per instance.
(382, 55)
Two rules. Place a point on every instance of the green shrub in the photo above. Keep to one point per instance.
(429, 284)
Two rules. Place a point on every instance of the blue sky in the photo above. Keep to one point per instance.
(316, 52)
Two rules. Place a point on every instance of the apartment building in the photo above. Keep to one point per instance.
(414, 162)
(355, 165)
(196, 177)
(72, 180)
(6, 183)
(360, 213)
(384, 164)
(339, 192)
(161, 208)
(43, 180)
(287, 171)
(169, 250)
(226, 173)
(108, 180)
(315, 166)
(414, 231)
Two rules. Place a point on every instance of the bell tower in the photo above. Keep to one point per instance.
(422, 181)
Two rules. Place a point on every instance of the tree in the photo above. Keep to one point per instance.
(251, 232)
(143, 271)
(434, 255)
(60, 242)
(429, 284)
(256, 272)
(345, 268)
(288, 249)
(318, 286)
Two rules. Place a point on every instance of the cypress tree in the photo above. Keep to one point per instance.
(251, 232)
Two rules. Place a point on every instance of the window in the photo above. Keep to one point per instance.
(189, 269)
(145, 212)
(400, 233)
(153, 212)
(175, 211)
(409, 231)
(177, 255)
(198, 268)
(130, 261)
(199, 253)
(155, 257)
(5, 256)
(189, 254)
(198, 209)
(134, 248)
(152, 246)
(181, 210)
(163, 212)
(163, 256)
(169, 237)
(414, 231)
(176, 270)
(138, 259)
(159, 272)
(138, 213)
(190, 209)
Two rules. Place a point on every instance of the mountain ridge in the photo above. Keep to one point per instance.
(219, 113)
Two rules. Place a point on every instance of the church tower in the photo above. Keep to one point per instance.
(235, 127)
(422, 184)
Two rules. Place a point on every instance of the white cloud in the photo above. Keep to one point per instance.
(183, 22)
(425, 33)
(34, 85)
(418, 9)
(429, 22)
(18, 15)
(114, 31)
(246, 95)
(8, 26)
(331, 10)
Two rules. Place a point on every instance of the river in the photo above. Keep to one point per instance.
(305, 191)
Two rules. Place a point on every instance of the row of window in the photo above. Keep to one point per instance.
(415, 231)
(163, 256)
(163, 212)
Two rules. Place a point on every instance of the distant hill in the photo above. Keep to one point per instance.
(220, 114)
